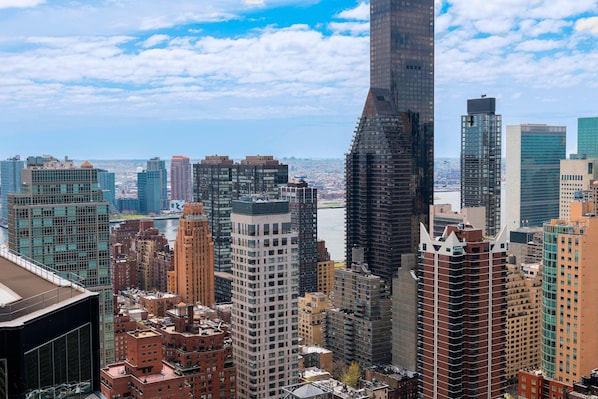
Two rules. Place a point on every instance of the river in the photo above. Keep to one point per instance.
(331, 224)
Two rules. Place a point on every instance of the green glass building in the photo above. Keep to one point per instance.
(534, 153)
(60, 221)
(587, 137)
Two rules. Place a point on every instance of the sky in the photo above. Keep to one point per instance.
(134, 79)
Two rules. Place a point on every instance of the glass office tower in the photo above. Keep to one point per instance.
(61, 221)
(534, 154)
(481, 160)
(587, 137)
(390, 165)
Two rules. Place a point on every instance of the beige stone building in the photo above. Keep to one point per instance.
(524, 314)
(312, 317)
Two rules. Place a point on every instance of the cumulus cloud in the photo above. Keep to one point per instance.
(539, 45)
(290, 67)
(360, 13)
(154, 40)
(587, 24)
(350, 27)
(20, 3)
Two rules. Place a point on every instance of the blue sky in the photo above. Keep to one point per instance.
(114, 79)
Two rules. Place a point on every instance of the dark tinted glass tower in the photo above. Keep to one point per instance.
(389, 168)
(217, 180)
(480, 160)
(303, 204)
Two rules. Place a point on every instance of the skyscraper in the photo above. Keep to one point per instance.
(587, 137)
(180, 179)
(533, 156)
(10, 179)
(260, 175)
(213, 187)
(106, 183)
(303, 203)
(61, 221)
(389, 167)
(218, 180)
(194, 257)
(462, 316)
(156, 164)
(265, 282)
(149, 191)
(481, 160)
(569, 283)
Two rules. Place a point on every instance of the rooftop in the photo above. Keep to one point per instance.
(117, 370)
(26, 289)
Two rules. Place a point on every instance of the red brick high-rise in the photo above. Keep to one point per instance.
(462, 313)
(180, 178)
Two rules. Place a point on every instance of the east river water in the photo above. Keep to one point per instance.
(331, 224)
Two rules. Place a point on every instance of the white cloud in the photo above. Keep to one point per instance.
(587, 24)
(350, 27)
(194, 77)
(154, 40)
(360, 13)
(539, 45)
(20, 3)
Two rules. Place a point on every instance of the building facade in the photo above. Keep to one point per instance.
(149, 192)
(156, 164)
(312, 318)
(587, 137)
(61, 221)
(49, 329)
(481, 132)
(358, 325)
(181, 183)
(442, 215)
(524, 315)
(404, 315)
(303, 204)
(394, 138)
(533, 156)
(106, 182)
(194, 257)
(325, 269)
(569, 325)
(264, 295)
(462, 313)
(151, 272)
(213, 186)
(575, 177)
(217, 181)
(10, 179)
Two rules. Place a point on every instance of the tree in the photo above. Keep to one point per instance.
(352, 376)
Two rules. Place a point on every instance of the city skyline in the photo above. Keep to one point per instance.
(262, 73)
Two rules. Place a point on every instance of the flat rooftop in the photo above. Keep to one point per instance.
(26, 288)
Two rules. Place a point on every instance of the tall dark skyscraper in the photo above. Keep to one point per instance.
(480, 160)
(303, 204)
(390, 165)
